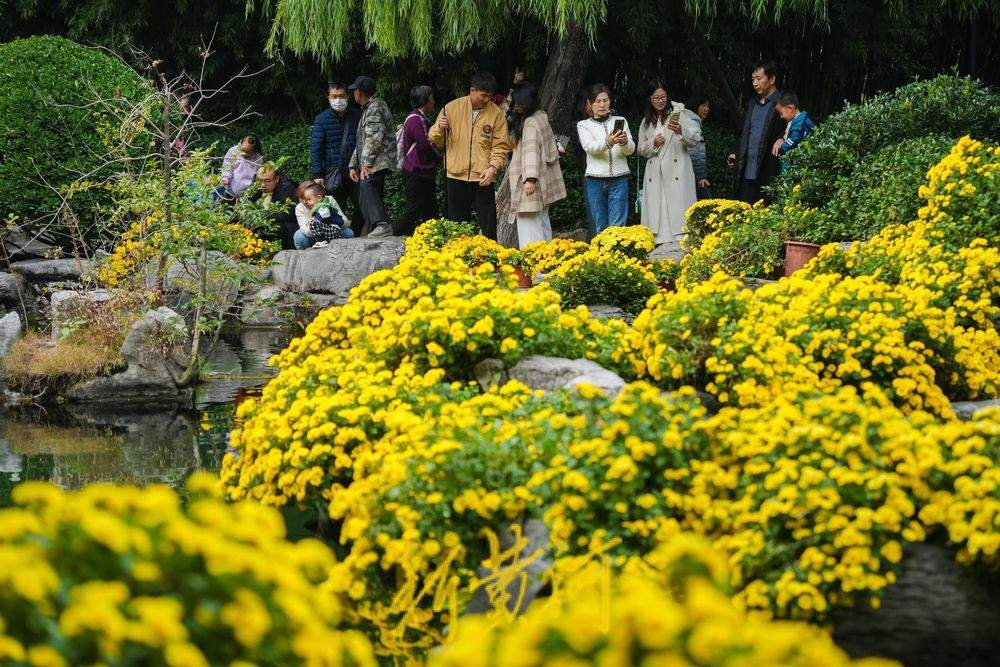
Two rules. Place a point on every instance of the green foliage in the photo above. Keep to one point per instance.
(604, 278)
(292, 145)
(946, 105)
(879, 193)
(47, 138)
(327, 30)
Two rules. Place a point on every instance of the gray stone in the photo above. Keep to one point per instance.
(20, 245)
(155, 349)
(269, 306)
(65, 305)
(610, 383)
(10, 331)
(937, 613)
(337, 268)
(669, 250)
(533, 560)
(578, 234)
(324, 301)
(182, 282)
(490, 373)
(757, 283)
(13, 288)
(551, 373)
(51, 270)
(603, 311)
(965, 410)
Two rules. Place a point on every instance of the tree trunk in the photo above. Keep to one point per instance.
(564, 76)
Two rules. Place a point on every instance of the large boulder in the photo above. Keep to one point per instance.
(51, 270)
(66, 305)
(515, 583)
(156, 351)
(10, 331)
(337, 268)
(937, 613)
(551, 373)
(269, 306)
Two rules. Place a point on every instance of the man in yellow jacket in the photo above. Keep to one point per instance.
(473, 133)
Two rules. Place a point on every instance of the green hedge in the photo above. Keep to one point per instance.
(880, 192)
(45, 134)
(944, 106)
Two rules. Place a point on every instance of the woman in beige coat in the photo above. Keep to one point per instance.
(536, 180)
(665, 136)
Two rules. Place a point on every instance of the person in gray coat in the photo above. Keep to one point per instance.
(697, 110)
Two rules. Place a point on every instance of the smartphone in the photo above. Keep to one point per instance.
(619, 125)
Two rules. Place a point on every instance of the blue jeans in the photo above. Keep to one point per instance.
(608, 198)
(302, 241)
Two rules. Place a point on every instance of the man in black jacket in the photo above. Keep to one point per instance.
(334, 137)
(755, 165)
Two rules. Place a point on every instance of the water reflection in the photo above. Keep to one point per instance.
(74, 445)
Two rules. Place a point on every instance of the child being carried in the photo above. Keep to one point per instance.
(320, 219)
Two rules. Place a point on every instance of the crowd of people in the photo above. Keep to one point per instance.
(474, 138)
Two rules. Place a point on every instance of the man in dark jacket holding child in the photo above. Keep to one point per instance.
(756, 165)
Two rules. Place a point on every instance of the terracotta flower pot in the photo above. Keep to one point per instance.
(798, 254)
(523, 279)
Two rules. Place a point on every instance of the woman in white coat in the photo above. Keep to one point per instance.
(665, 135)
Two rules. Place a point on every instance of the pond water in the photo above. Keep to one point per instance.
(73, 446)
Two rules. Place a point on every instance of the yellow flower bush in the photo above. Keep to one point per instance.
(604, 277)
(634, 241)
(676, 613)
(143, 241)
(406, 341)
(705, 216)
(680, 331)
(547, 256)
(746, 242)
(119, 575)
(435, 234)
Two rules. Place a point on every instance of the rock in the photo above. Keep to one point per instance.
(603, 311)
(756, 283)
(181, 282)
(268, 307)
(964, 410)
(578, 234)
(155, 349)
(323, 301)
(710, 402)
(13, 288)
(66, 305)
(21, 245)
(490, 373)
(610, 383)
(337, 268)
(51, 270)
(551, 373)
(10, 331)
(533, 560)
(669, 250)
(937, 613)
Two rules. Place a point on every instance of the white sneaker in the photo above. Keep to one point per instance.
(321, 244)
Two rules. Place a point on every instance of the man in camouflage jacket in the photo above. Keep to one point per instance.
(374, 157)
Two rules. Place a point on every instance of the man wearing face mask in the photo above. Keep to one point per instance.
(334, 137)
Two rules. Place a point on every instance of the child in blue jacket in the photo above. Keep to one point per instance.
(798, 128)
